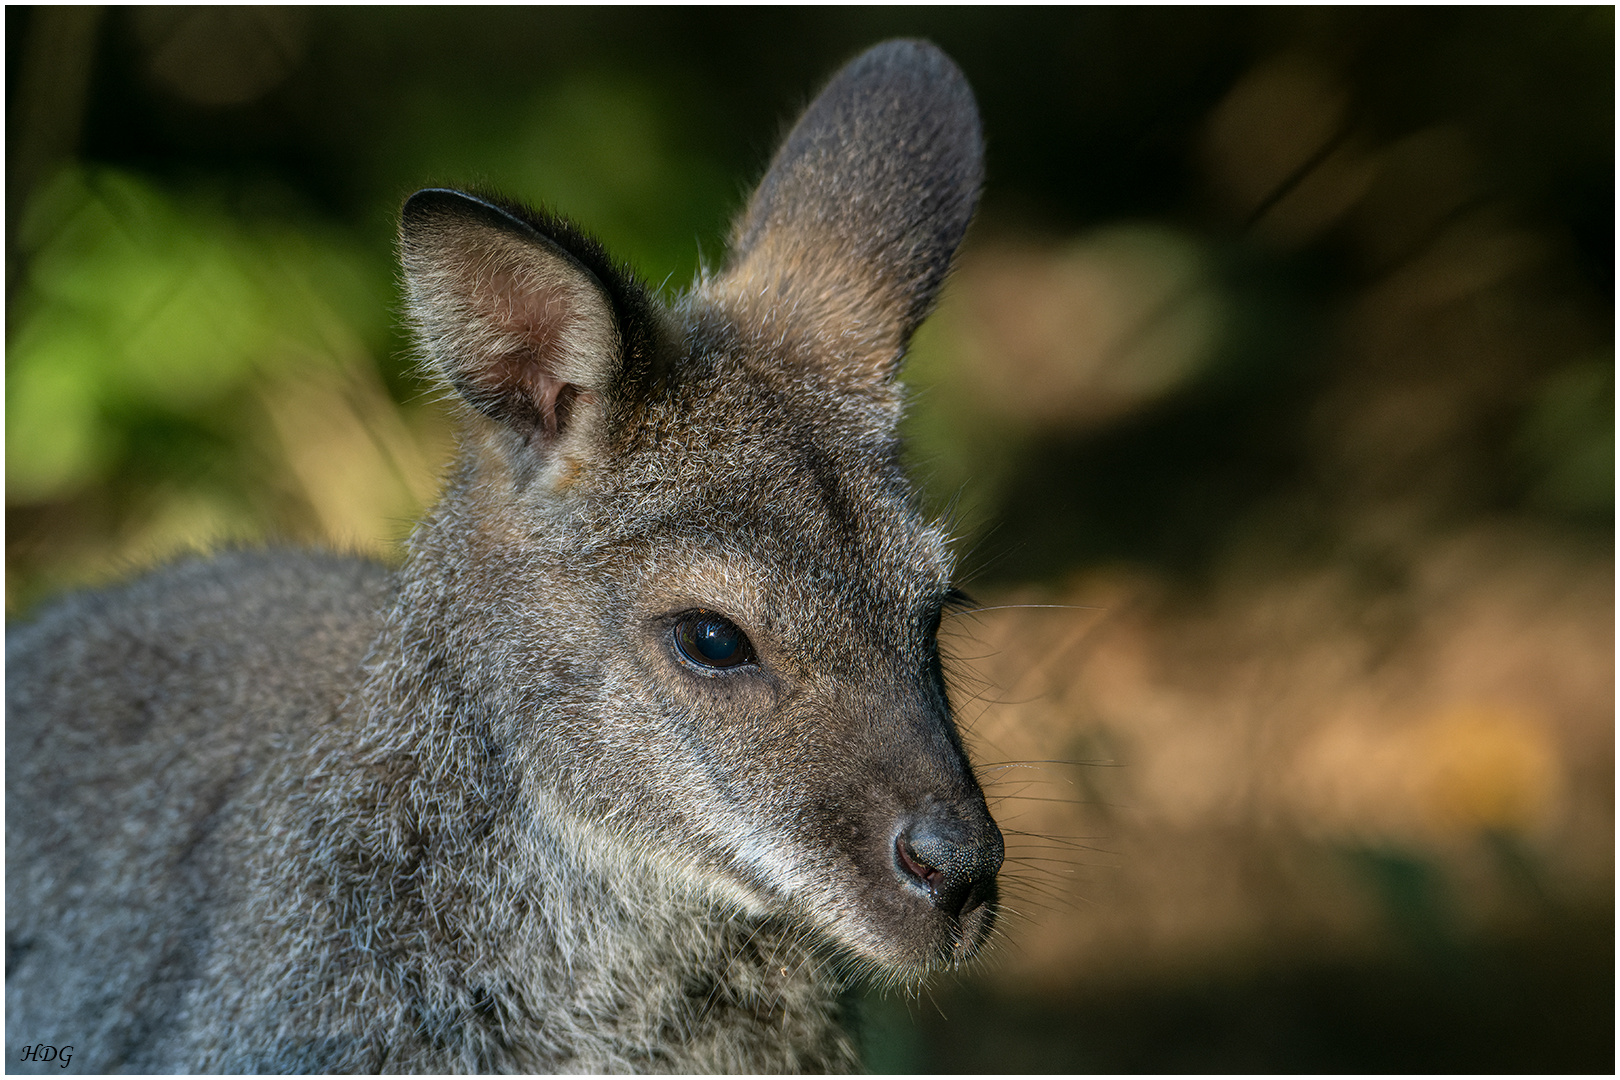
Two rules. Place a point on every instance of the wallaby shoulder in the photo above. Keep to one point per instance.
(251, 630)
(147, 708)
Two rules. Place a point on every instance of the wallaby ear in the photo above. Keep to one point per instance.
(849, 236)
(514, 320)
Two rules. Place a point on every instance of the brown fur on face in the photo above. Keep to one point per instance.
(281, 811)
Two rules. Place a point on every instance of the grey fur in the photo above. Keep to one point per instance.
(285, 811)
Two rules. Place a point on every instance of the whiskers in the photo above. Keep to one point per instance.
(1050, 865)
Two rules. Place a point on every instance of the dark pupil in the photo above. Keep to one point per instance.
(716, 640)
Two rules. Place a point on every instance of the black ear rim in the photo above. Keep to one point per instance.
(431, 205)
(635, 311)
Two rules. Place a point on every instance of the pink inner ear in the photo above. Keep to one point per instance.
(534, 324)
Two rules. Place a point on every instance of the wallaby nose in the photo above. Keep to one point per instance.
(955, 860)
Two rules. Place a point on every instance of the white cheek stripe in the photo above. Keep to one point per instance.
(836, 911)
(766, 855)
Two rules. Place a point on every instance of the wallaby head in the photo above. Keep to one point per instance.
(697, 601)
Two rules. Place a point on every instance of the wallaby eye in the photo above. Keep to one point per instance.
(712, 641)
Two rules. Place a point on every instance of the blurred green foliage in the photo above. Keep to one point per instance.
(598, 147)
(144, 303)
(145, 310)
(1567, 440)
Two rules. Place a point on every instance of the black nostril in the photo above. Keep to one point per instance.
(914, 865)
(955, 861)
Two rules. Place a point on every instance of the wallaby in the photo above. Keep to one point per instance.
(639, 756)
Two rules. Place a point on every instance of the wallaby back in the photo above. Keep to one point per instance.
(642, 753)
